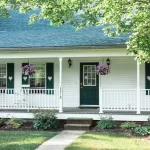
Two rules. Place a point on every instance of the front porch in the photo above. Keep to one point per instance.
(122, 91)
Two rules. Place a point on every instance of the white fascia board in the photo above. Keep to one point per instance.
(64, 53)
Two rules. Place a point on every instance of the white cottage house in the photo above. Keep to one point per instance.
(65, 77)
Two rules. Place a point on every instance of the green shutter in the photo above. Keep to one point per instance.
(25, 78)
(10, 76)
(49, 76)
(147, 73)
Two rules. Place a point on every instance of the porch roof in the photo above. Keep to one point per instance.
(16, 33)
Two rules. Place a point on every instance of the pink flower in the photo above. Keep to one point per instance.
(102, 69)
(28, 70)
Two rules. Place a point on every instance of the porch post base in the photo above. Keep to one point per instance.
(138, 112)
(101, 112)
(60, 111)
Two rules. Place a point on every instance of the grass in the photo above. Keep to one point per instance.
(23, 140)
(108, 141)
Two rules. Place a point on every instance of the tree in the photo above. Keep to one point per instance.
(3, 11)
(118, 16)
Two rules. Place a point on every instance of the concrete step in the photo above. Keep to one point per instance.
(77, 126)
(79, 120)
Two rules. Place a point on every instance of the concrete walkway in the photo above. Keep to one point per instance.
(60, 141)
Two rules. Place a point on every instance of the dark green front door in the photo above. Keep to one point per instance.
(89, 84)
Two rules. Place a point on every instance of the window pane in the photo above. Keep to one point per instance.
(40, 71)
(2, 82)
(37, 82)
(37, 79)
(3, 75)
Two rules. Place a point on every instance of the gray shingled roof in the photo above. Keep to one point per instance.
(15, 32)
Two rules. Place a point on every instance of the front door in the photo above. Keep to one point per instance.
(89, 84)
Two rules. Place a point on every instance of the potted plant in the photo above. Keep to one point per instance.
(102, 69)
(28, 70)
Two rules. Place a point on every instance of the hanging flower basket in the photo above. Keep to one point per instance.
(102, 69)
(28, 70)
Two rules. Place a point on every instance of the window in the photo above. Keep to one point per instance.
(3, 75)
(89, 75)
(37, 80)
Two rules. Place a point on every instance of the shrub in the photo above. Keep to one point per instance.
(106, 123)
(148, 120)
(129, 125)
(45, 120)
(148, 129)
(14, 123)
(141, 131)
(2, 121)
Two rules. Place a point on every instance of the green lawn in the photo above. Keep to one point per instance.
(23, 140)
(108, 141)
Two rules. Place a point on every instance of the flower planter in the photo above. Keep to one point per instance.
(102, 69)
(28, 70)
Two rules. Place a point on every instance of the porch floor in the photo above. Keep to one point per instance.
(82, 110)
(85, 110)
(80, 113)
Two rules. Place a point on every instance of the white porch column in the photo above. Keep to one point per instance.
(100, 95)
(100, 101)
(60, 86)
(138, 88)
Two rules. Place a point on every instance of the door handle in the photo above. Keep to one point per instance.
(81, 85)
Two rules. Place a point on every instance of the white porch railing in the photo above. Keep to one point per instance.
(145, 100)
(110, 99)
(124, 99)
(29, 99)
(119, 99)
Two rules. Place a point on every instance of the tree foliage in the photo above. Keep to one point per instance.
(117, 16)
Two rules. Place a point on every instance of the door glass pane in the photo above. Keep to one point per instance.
(93, 68)
(93, 81)
(93, 75)
(85, 82)
(85, 68)
(89, 68)
(89, 82)
(89, 75)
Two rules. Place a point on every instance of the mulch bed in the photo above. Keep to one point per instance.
(25, 126)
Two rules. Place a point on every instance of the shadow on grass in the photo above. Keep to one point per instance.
(19, 147)
(23, 140)
(103, 136)
(77, 148)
